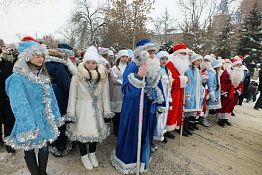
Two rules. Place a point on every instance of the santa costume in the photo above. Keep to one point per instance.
(178, 63)
(231, 88)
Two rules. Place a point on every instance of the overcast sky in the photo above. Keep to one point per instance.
(50, 15)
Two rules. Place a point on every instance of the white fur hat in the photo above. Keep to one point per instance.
(121, 53)
(209, 58)
(196, 57)
(91, 54)
(162, 54)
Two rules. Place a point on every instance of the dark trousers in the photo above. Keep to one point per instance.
(31, 162)
(259, 101)
(116, 120)
(83, 149)
(6, 118)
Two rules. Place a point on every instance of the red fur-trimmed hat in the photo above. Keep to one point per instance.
(239, 57)
(235, 62)
(180, 48)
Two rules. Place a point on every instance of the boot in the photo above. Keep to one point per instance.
(221, 122)
(204, 122)
(86, 162)
(42, 161)
(186, 126)
(184, 133)
(191, 122)
(31, 164)
(165, 140)
(169, 135)
(93, 159)
(194, 125)
(227, 122)
(9, 149)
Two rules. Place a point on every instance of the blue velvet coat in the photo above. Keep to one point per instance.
(193, 91)
(125, 156)
(35, 109)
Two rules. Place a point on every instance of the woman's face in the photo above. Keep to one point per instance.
(90, 65)
(197, 63)
(124, 59)
(163, 61)
(37, 60)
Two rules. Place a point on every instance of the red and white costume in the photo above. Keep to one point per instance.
(231, 87)
(177, 65)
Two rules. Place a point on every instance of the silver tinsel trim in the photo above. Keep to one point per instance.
(29, 53)
(135, 82)
(159, 94)
(55, 59)
(63, 153)
(120, 168)
(161, 109)
(110, 115)
(126, 169)
(102, 133)
(45, 82)
(70, 118)
(30, 135)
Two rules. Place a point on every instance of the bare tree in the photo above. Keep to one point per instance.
(197, 18)
(164, 25)
(49, 40)
(68, 34)
(88, 23)
(125, 22)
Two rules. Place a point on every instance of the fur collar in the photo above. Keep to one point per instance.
(83, 73)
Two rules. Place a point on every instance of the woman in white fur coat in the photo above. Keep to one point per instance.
(87, 105)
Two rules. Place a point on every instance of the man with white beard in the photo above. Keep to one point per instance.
(231, 87)
(178, 63)
(227, 64)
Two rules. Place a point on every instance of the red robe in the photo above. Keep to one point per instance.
(174, 118)
(230, 100)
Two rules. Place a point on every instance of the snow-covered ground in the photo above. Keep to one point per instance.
(234, 150)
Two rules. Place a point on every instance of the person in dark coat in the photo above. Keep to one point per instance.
(259, 100)
(246, 84)
(6, 115)
(59, 70)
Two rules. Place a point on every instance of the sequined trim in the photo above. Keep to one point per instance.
(30, 135)
(55, 59)
(153, 84)
(29, 53)
(102, 133)
(135, 82)
(45, 82)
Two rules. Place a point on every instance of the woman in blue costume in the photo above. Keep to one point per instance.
(144, 64)
(34, 106)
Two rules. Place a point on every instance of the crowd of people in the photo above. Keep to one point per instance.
(53, 102)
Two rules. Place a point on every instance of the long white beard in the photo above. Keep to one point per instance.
(227, 66)
(181, 62)
(236, 76)
(153, 67)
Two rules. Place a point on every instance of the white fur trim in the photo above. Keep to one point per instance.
(236, 63)
(181, 51)
(218, 65)
(122, 53)
(135, 82)
(183, 81)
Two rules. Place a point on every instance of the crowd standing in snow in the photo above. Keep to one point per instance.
(52, 102)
